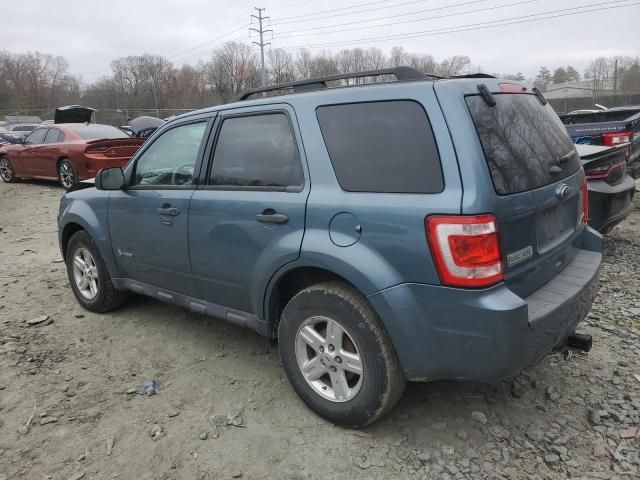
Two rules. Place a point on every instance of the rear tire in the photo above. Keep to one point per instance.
(67, 174)
(89, 277)
(6, 170)
(352, 375)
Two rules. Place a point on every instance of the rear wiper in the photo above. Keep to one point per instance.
(539, 95)
(567, 157)
(487, 96)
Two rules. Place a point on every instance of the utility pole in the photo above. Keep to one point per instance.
(261, 31)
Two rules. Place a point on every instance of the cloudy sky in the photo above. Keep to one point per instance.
(92, 33)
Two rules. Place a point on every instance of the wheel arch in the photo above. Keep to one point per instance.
(81, 217)
(287, 283)
(66, 233)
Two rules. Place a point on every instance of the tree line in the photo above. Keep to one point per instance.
(623, 71)
(37, 81)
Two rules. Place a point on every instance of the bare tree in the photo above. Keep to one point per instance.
(455, 65)
(281, 67)
(303, 63)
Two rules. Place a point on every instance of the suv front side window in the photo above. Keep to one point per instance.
(257, 151)
(171, 158)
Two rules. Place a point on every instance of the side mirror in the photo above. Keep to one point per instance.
(110, 179)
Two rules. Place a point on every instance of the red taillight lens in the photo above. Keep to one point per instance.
(604, 169)
(97, 149)
(465, 249)
(584, 194)
(611, 139)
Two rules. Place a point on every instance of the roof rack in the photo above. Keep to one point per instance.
(402, 74)
(473, 75)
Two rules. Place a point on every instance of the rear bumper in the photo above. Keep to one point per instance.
(490, 334)
(609, 205)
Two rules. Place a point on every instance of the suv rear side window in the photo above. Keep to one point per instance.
(36, 137)
(383, 147)
(522, 140)
(257, 151)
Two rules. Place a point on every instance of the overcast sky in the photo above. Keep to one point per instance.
(92, 33)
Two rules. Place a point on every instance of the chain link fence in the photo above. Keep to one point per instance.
(107, 116)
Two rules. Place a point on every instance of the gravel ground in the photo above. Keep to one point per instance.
(69, 406)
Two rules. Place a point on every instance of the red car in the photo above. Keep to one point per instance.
(68, 152)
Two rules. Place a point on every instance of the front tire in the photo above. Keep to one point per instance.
(6, 170)
(337, 355)
(88, 276)
(67, 174)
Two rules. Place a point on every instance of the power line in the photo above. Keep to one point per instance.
(211, 48)
(208, 43)
(333, 13)
(469, 27)
(295, 18)
(177, 51)
(513, 4)
(291, 4)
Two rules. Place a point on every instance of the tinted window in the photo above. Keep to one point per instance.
(98, 132)
(522, 140)
(257, 151)
(382, 147)
(53, 136)
(171, 158)
(36, 137)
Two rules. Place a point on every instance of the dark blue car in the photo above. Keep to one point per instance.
(418, 229)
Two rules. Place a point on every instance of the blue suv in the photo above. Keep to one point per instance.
(408, 228)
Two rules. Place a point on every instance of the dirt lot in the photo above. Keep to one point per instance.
(69, 406)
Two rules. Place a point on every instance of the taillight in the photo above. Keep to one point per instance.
(584, 197)
(611, 139)
(96, 149)
(465, 249)
(602, 169)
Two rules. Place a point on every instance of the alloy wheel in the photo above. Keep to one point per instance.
(329, 359)
(85, 273)
(67, 177)
(6, 171)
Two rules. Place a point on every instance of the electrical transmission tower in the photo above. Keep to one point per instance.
(261, 31)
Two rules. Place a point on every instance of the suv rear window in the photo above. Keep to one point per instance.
(96, 131)
(385, 147)
(522, 139)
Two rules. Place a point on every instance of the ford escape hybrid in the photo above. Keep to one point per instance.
(414, 228)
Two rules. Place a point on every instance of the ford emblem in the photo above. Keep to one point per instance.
(563, 191)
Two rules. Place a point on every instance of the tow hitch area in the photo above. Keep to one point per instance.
(579, 341)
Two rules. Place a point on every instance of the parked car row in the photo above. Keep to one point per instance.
(70, 149)
(611, 128)
(430, 228)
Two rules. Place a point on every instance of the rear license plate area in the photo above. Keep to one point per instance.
(555, 224)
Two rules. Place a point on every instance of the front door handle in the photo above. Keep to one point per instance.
(270, 216)
(168, 210)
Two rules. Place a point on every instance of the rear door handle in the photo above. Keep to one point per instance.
(170, 211)
(270, 216)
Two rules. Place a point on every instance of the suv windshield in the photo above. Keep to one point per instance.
(524, 142)
(96, 132)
